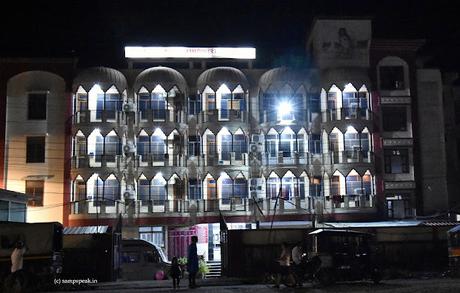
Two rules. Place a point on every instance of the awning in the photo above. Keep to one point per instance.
(86, 230)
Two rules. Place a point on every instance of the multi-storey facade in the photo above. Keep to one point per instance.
(167, 148)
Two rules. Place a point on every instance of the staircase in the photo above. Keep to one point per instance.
(214, 269)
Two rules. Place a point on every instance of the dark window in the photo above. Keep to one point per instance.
(35, 149)
(36, 107)
(398, 205)
(457, 112)
(394, 118)
(34, 191)
(391, 77)
(194, 186)
(396, 161)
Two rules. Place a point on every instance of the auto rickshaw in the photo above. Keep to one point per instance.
(345, 256)
(453, 242)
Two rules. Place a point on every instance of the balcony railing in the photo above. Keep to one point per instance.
(161, 160)
(346, 113)
(227, 159)
(286, 158)
(88, 116)
(295, 205)
(273, 117)
(95, 161)
(219, 115)
(344, 157)
(160, 115)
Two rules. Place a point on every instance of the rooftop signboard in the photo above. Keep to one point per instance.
(190, 52)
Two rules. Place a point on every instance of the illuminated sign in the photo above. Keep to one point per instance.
(190, 52)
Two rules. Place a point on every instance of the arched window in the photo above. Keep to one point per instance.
(350, 102)
(353, 182)
(143, 188)
(223, 99)
(334, 99)
(271, 143)
(337, 184)
(288, 141)
(302, 145)
(239, 99)
(288, 191)
(80, 144)
(112, 103)
(158, 146)
(363, 95)
(94, 188)
(158, 189)
(366, 147)
(79, 189)
(273, 185)
(111, 190)
(112, 146)
(240, 186)
(224, 144)
(208, 99)
(143, 145)
(158, 103)
(352, 144)
(304, 185)
(96, 102)
(95, 147)
(225, 185)
(368, 186)
(240, 145)
(143, 102)
(209, 187)
(81, 100)
(209, 143)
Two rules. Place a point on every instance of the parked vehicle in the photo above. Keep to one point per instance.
(345, 255)
(142, 260)
(453, 240)
(91, 252)
(42, 259)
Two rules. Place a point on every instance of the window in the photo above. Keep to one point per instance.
(398, 205)
(35, 149)
(193, 145)
(391, 77)
(153, 235)
(394, 118)
(37, 107)
(396, 161)
(34, 190)
(18, 212)
(194, 187)
(4, 210)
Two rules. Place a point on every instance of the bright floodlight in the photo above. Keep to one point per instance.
(284, 109)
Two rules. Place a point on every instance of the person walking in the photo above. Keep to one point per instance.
(175, 272)
(192, 262)
(284, 264)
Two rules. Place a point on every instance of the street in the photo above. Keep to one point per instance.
(397, 285)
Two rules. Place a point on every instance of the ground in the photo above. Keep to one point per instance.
(432, 285)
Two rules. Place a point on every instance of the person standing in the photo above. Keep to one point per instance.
(175, 272)
(284, 263)
(17, 257)
(192, 262)
(297, 254)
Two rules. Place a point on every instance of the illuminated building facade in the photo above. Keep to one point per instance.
(168, 147)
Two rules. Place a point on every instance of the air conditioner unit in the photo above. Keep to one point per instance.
(129, 107)
(256, 147)
(129, 147)
(256, 138)
(129, 193)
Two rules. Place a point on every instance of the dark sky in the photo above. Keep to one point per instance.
(96, 31)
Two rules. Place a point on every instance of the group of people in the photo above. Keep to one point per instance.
(192, 266)
(290, 261)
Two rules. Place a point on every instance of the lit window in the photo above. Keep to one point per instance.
(34, 191)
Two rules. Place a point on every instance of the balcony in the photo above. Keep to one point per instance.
(160, 160)
(346, 114)
(271, 117)
(238, 205)
(220, 115)
(160, 115)
(346, 157)
(286, 158)
(97, 116)
(96, 161)
(229, 159)
(349, 201)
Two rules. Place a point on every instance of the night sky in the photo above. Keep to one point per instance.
(97, 31)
